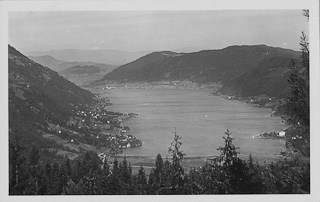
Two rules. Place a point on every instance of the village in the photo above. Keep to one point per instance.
(95, 128)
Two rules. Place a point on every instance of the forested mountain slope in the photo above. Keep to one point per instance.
(38, 95)
(256, 69)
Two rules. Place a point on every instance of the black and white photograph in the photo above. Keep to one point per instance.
(159, 99)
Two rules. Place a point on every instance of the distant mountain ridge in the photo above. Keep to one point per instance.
(232, 67)
(107, 56)
(60, 65)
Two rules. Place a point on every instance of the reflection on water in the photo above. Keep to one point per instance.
(200, 119)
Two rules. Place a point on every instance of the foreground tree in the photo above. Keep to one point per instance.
(158, 171)
(18, 169)
(231, 170)
(177, 169)
(297, 103)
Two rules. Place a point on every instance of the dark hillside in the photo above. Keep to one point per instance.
(202, 67)
(233, 67)
(38, 95)
(268, 77)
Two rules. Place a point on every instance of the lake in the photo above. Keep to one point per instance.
(199, 118)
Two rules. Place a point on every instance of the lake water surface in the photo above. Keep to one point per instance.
(199, 118)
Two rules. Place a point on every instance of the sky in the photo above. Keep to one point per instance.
(154, 30)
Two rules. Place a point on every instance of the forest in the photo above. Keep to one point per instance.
(88, 175)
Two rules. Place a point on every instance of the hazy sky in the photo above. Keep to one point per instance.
(154, 30)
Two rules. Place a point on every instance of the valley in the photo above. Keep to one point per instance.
(130, 117)
(95, 127)
(159, 102)
(62, 119)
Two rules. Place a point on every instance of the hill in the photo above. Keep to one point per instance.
(39, 96)
(107, 56)
(227, 66)
(85, 74)
(48, 61)
(60, 65)
(269, 77)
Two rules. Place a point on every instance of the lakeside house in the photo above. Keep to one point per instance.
(282, 134)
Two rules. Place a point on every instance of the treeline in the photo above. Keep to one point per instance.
(297, 103)
(88, 175)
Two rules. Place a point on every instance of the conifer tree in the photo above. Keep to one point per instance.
(18, 172)
(106, 168)
(55, 187)
(159, 168)
(141, 181)
(36, 183)
(34, 155)
(250, 161)
(68, 168)
(115, 168)
(89, 183)
(153, 186)
(297, 102)
(177, 169)
(233, 168)
(113, 186)
(228, 153)
(105, 178)
(124, 171)
(64, 176)
(166, 174)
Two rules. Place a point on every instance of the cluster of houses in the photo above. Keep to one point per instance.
(273, 134)
(262, 100)
(279, 134)
(120, 142)
(109, 88)
(104, 125)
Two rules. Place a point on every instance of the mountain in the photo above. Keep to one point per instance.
(66, 65)
(269, 77)
(79, 73)
(112, 57)
(38, 96)
(47, 61)
(232, 67)
(60, 65)
(188, 49)
(85, 74)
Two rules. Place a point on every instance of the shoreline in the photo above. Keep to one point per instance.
(182, 85)
(154, 85)
(148, 162)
